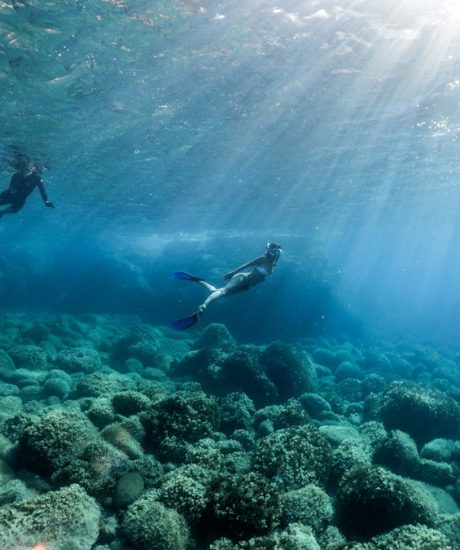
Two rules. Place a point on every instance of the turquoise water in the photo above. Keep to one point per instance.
(185, 135)
(333, 123)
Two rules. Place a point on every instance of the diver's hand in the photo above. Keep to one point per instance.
(49, 204)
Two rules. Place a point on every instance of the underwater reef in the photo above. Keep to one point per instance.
(117, 434)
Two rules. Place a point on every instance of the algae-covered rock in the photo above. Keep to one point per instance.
(245, 505)
(371, 500)
(148, 524)
(185, 494)
(129, 488)
(79, 359)
(99, 384)
(422, 412)
(310, 506)
(398, 452)
(55, 440)
(28, 357)
(64, 519)
(297, 456)
(291, 371)
(408, 537)
(215, 335)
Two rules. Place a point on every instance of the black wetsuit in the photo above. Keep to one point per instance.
(21, 186)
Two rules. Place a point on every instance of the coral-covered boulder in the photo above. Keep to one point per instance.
(79, 359)
(54, 440)
(291, 371)
(296, 456)
(372, 500)
(245, 505)
(422, 412)
(67, 518)
(148, 524)
(28, 357)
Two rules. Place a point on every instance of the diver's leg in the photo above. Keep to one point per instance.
(184, 276)
(187, 322)
(207, 286)
(5, 198)
(16, 205)
(237, 283)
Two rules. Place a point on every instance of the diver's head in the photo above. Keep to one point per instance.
(23, 164)
(274, 249)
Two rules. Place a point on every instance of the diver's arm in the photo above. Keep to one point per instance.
(230, 274)
(43, 193)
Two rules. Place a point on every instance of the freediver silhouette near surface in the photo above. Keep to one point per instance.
(25, 179)
(239, 281)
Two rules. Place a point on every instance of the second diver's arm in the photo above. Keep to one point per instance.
(43, 193)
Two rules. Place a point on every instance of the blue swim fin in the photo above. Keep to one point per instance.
(185, 323)
(184, 276)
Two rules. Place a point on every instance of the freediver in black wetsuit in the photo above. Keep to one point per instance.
(239, 281)
(22, 183)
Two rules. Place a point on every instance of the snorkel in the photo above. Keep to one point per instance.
(274, 250)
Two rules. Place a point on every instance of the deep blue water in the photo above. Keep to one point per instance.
(185, 135)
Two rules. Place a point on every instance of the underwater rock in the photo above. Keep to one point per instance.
(101, 412)
(148, 524)
(67, 518)
(398, 452)
(145, 351)
(79, 359)
(297, 456)
(120, 438)
(185, 416)
(449, 525)
(13, 491)
(7, 366)
(435, 473)
(295, 537)
(129, 488)
(371, 500)
(139, 343)
(185, 494)
(269, 376)
(31, 393)
(215, 335)
(314, 404)
(372, 432)
(372, 383)
(244, 505)
(236, 411)
(38, 332)
(327, 358)
(99, 384)
(8, 389)
(422, 412)
(28, 357)
(281, 416)
(408, 537)
(350, 453)
(96, 469)
(56, 386)
(205, 453)
(130, 402)
(292, 372)
(149, 468)
(441, 450)
(54, 440)
(347, 369)
(310, 506)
